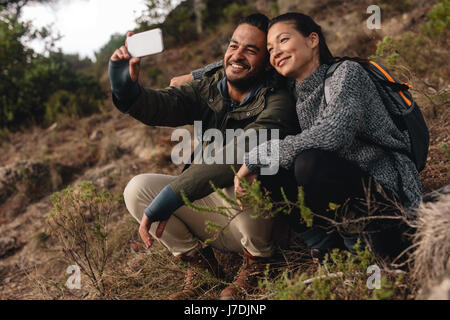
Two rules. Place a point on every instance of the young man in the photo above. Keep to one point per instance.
(239, 96)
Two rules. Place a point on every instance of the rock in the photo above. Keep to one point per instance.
(103, 177)
(8, 246)
(29, 177)
(52, 127)
(96, 135)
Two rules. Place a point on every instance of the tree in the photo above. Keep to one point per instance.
(199, 6)
(28, 80)
(16, 6)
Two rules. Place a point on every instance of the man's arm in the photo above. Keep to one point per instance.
(165, 107)
(279, 113)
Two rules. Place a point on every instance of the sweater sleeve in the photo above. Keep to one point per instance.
(336, 126)
(199, 73)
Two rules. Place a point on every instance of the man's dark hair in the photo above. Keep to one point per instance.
(257, 20)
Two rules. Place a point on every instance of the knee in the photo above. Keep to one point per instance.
(306, 165)
(133, 190)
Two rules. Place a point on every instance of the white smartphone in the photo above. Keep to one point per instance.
(145, 43)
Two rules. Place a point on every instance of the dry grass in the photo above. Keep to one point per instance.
(432, 255)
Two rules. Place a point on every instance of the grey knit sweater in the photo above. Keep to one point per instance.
(354, 124)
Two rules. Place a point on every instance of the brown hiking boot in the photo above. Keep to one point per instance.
(246, 279)
(202, 259)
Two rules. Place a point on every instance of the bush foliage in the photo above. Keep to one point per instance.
(30, 82)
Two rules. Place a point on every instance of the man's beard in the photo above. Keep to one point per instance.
(244, 84)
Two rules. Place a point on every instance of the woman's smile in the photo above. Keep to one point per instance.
(292, 54)
(282, 62)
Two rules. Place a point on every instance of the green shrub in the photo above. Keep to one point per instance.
(29, 80)
(439, 19)
(234, 12)
(79, 221)
(62, 104)
(342, 276)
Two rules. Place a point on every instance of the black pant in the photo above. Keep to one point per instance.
(327, 178)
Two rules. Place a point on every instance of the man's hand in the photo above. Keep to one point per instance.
(243, 173)
(178, 81)
(123, 54)
(145, 227)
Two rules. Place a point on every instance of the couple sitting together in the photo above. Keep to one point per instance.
(271, 77)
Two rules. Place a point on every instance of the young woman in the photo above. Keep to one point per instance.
(347, 144)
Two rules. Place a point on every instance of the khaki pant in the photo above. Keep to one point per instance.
(186, 227)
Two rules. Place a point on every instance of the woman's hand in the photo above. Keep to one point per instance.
(243, 173)
(178, 81)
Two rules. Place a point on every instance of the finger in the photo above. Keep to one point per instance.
(129, 34)
(173, 82)
(134, 68)
(240, 204)
(160, 228)
(116, 55)
(125, 52)
(135, 61)
(239, 189)
(145, 236)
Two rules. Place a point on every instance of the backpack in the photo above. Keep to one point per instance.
(400, 105)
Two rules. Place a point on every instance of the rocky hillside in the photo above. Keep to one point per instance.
(109, 148)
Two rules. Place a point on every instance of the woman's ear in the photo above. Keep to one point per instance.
(313, 40)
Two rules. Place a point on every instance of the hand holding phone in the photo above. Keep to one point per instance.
(145, 43)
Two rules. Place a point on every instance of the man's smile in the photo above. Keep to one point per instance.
(238, 66)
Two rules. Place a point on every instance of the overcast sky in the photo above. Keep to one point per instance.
(86, 25)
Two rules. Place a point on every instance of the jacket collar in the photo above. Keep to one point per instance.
(223, 89)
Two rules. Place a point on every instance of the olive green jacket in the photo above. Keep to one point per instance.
(272, 108)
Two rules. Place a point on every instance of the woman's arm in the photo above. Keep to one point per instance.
(336, 126)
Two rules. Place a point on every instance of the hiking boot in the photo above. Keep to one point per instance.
(202, 259)
(246, 279)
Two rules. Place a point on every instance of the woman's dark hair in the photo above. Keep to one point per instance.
(306, 25)
(257, 20)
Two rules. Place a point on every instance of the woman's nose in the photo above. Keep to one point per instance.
(276, 52)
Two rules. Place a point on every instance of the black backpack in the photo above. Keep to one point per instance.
(401, 107)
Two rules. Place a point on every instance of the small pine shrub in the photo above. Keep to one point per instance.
(342, 276)
(439, 19)
(79, 221)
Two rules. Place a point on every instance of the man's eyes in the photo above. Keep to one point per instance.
(235, 46)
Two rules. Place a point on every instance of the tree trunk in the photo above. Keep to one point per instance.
(199, 6)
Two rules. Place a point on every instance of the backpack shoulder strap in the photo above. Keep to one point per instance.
(326, 86)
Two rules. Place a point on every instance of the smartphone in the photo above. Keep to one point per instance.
(145, 43)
